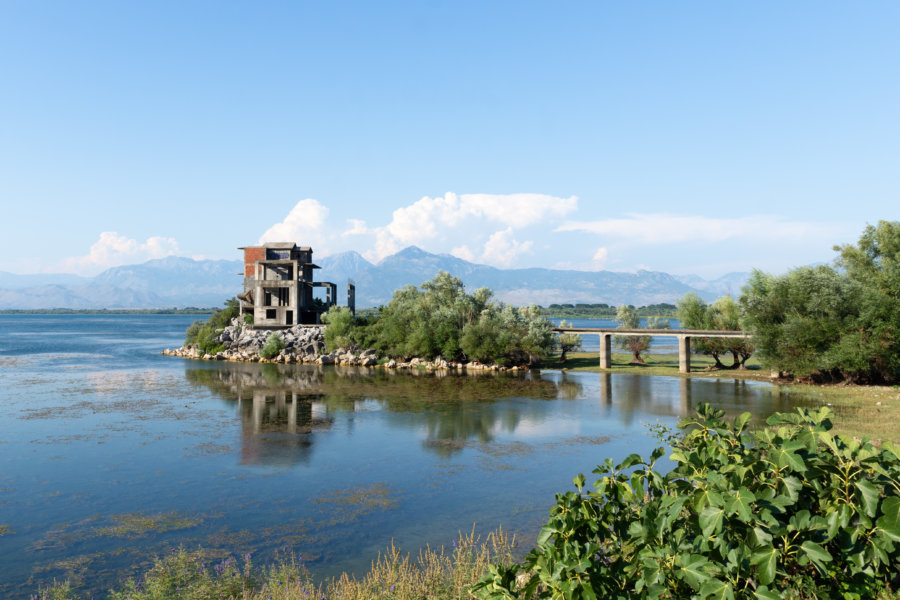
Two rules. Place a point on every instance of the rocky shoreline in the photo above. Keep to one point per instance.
(305, 344)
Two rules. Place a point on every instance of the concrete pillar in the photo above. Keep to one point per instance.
(605, 351)
(684, 354)
(685, 389)
(606, 388)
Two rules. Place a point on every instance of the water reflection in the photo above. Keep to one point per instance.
(283, 407)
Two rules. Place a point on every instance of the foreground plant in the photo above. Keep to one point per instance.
(787, 511)
(434, 574)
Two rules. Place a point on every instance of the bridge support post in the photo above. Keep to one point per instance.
(605, 351)
(684, 354)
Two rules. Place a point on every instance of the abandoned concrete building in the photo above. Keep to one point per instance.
(279, 290)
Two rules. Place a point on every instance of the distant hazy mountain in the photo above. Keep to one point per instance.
(338, 268)
(178, 282)
(728, 284)
(13, 281)
(79, 296)
(518, 286)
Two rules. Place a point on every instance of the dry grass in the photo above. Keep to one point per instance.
(436, 574)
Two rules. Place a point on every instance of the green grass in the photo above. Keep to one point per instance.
(657, 364)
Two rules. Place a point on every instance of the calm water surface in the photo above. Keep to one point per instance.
(111, 453)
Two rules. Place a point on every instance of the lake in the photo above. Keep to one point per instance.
(111, 454)
(659, 344)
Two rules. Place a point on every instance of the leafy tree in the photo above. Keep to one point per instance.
(339, 328)
(722, 315)
(627, 318)
(827, 323)
(441, 319)
(567, 342)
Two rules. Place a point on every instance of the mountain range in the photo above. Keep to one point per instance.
(180, 282)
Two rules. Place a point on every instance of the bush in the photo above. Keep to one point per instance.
(340, 323)
(204, 334)
(274, 344)
(833, 324)
(790, 510)
(441, 319)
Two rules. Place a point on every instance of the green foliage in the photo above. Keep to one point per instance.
(628, 318)
(441, 319)
(435, 574)
(204, 334)
(567, 342)
(833, 324)
(340, 327)
(786, 511)
(274, 344)
(184, 574)
(722, 315)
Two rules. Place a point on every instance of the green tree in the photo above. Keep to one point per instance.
(828, 323)
(627, 318)
(340, 323)
(722, 315)
(567, 342)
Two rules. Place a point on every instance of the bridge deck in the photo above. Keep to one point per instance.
(684, 340)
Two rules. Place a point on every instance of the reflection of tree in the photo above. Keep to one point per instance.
(450, 407)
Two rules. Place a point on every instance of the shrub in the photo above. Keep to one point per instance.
(787, 510)
(274, 344)
(340, 326)
(204, 334)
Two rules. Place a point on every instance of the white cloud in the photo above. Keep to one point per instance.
(599, 257)
(112, 250)
(502, 249)
(443, 220)
(463, 252)
(357, 227)
(304, 225)
(661, 228)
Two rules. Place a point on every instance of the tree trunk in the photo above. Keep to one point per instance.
(636, 358)
(715, 356)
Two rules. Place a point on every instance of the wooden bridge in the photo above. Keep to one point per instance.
(684, 340)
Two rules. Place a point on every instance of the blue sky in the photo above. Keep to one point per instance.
(689, 137)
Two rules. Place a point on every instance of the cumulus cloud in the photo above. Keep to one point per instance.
(304, 225)
(502, 249)
(112, 250)
(599, 257)
(463, 252)
(357, 227)
(439, 220)
(661, 228)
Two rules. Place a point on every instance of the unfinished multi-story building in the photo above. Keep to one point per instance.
(279, 286)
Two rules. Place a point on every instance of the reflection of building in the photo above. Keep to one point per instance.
(276, 425)
(279, 286)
